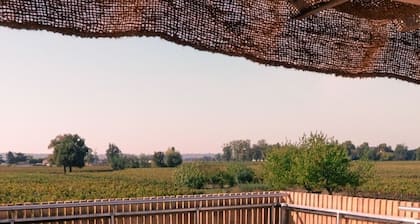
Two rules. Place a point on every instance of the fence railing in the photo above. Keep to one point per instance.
(341, 215)
(244, 208)
(253, 208)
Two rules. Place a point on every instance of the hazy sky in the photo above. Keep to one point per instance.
(146, 94)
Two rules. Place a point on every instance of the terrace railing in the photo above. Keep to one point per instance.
(244, 208)
(255, 208)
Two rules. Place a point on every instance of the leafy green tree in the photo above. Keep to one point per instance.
(384, 148)
(20, 157)
(113, 151)
(117, 163)
(240, 149)
(10, 158)
(362, 151)
(158, 159)
(418, 153)
(172, 158)
(257, 151)
(351, 150)
(401, 152)
(144, 161)
(69, 151)
(315, 163)
(115, 157)
(411, 155)
(227, 153)
(373, 154)
(279, 166)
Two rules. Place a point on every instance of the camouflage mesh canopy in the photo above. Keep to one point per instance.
(358, 38)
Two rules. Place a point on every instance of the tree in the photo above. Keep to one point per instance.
(362, 150)
(279, 166)
(227, 153)
(1, 159)
(373, 154)
(351, 150)
(20, 157)
(401, 152)
(69, 150)
(238, 150)
(158, 159)
(144, 161)
(315, 163)
(114, 157)
(91, 157)
(257, 152)
(10, 158)
(112, 151)
(418, 153)
(172, 158)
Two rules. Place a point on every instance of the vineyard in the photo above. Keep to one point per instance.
(397, 180)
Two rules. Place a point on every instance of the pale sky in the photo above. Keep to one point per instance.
(146, 94)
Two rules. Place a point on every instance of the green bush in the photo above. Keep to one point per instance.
(189, 175)
(222, 178)
(241, 173)
(245, 176)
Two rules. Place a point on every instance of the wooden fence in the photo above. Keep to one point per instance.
(252, 208)
(353, 204)
(244, 208)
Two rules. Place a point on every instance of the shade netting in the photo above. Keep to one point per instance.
(338, 41)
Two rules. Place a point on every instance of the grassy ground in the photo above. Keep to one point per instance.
(396, 180)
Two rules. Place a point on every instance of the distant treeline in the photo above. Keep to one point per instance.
(242, 150)
(18, 157)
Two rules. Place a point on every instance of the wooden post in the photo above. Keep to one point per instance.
(284, 215)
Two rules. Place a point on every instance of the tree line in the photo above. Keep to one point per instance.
(118, 160)
(18, 157)
(242, 150)
(70, 150)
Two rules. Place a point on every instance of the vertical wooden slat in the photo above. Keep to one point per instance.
(416, 215)
(409, 214)
(403, 213)
(344, 206)
(317, 218)
(395, 208)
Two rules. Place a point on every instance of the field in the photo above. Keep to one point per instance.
(397, 180)
(394, 180)
(36, 184)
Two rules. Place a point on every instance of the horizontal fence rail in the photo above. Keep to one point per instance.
(341, 214)
(410, 209)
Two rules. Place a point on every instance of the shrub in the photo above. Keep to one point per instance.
(241, 173)
(222, 178)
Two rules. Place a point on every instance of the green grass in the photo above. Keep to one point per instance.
(394, 180)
